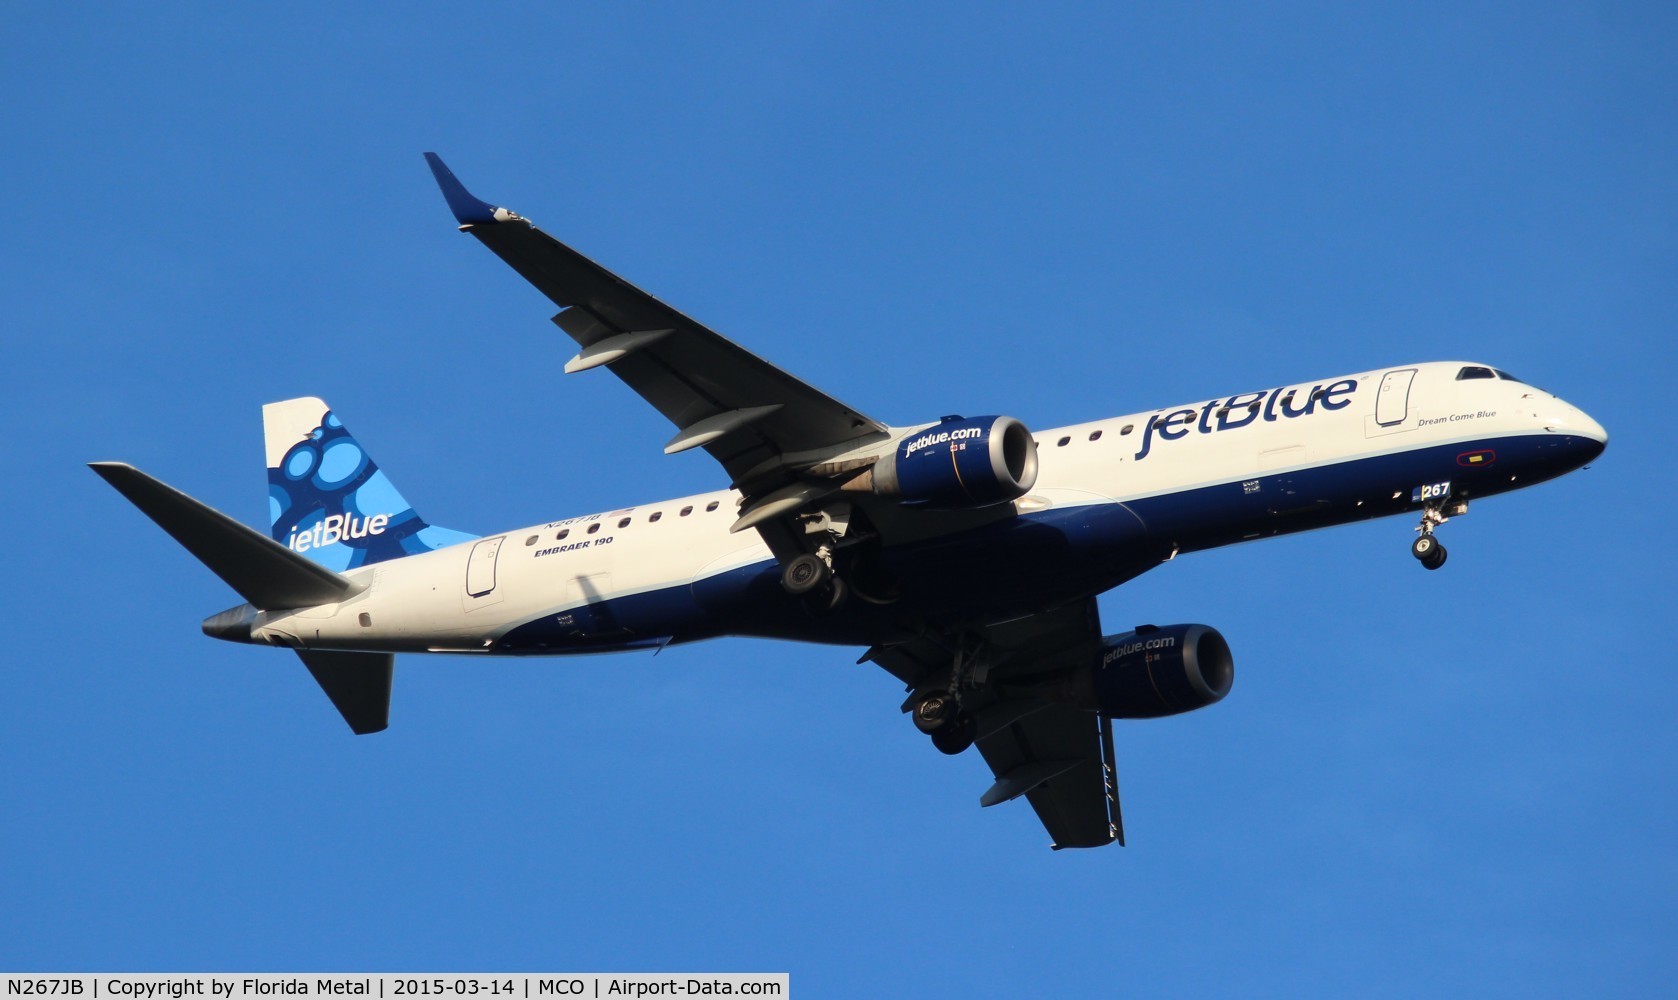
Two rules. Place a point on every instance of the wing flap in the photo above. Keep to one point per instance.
(1056, 754)
(1023, 779)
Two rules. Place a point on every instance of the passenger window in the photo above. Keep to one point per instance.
(531, 540)
(655, 515)
(1063, 442)
(686, 511)
(1474, 371)
(594, 527)
(710, 506)
(1095, 435)
(562, 533)
(624, 523)
(1126, 429)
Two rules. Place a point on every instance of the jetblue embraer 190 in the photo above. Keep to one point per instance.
(965, 553)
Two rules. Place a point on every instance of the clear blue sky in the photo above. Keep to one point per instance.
(1453, 783)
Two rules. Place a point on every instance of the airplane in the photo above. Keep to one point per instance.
(964, 553)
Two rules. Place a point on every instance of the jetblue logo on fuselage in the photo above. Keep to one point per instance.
(942, 437)
(1245, 408)
(336, 528)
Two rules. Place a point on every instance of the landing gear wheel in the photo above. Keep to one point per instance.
(956, 735)
(934, 712)
(1427, 549)
(837, 592)
(805, 574)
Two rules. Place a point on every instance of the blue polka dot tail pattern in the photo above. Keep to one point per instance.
(329, 501)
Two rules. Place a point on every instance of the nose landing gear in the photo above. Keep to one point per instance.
(1427, 549)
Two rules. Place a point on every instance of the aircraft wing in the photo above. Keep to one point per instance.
(1061, 759)
(1056, 755)
(752, 417)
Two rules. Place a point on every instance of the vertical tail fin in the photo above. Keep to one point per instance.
(329, 501)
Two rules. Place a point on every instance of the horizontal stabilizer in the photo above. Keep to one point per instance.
(262, 571)
(357, 683)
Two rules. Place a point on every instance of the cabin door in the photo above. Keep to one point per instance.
(1392, 402)
(480, 572)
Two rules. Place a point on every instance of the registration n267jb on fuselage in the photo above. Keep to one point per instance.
(964, 553)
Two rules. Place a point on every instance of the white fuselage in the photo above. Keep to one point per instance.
(1216, 455)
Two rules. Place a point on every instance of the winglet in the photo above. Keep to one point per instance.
(468, 210)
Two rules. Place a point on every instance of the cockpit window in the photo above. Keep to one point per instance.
(1508, 377)
(1475, 371)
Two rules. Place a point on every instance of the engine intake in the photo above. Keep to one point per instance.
(960, 463)
(1159, 671)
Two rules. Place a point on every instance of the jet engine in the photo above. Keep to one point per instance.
(958, 463)
(1161, 670)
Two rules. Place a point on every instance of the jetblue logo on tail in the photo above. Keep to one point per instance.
(336, 528)
(328, 500)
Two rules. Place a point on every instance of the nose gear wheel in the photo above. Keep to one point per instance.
(1428, 551)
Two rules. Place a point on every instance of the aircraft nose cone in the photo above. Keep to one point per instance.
(1593, 430)
(1585, 438)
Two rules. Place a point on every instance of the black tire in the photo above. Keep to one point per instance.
(1437, 557)
(805, 574)
(933, 712)
(956, 736)
(1423, 548)
(837, 592)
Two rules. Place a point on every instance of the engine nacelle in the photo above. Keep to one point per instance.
(959, 463)
(1157, 671)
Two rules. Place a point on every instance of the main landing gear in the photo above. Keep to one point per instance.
(941, 708)
(939, 716)
(811, 577)
(826, 581)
